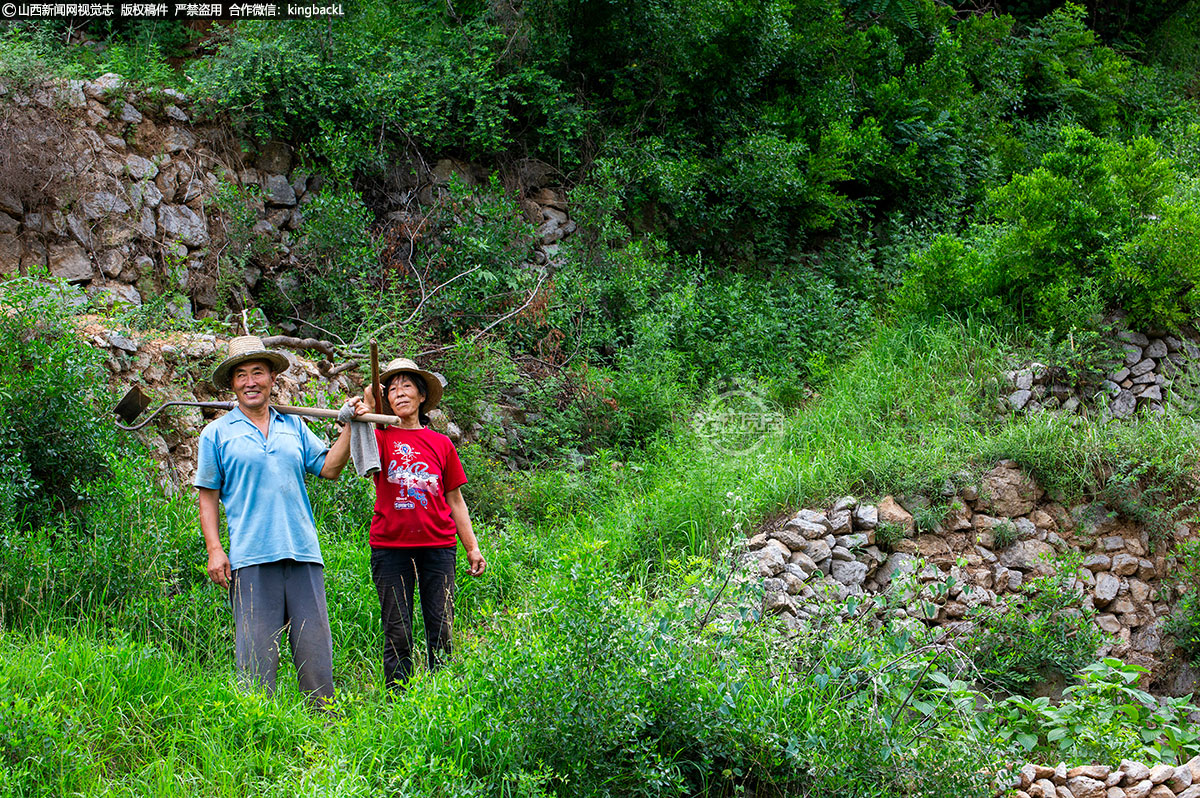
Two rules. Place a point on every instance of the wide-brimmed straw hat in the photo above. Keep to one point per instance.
(242, 349)
(433, 383)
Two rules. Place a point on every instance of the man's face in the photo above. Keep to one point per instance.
(252, 382)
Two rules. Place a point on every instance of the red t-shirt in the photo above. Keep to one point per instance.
(419, 466)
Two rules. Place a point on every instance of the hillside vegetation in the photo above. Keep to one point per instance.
(861, 212)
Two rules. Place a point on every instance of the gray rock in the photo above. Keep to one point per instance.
(896, 563)
(278, 191)
(813, 517)
(1156, 348)
(179, 140)
(865, 516)
(1084, 787)
(1119, 375)
(840, 554)
(1133, 337)
(145, 194)
(1133, 354)
(1141, 367)
(1125, 564)
(1017, 400)
(176, 113)
(1097, 562)
(1147, 640)
(818, 550)
(140, 168)
(1160, 773)
(70, 262)
(1134, 771)
(849, 573)
(802, 565)
(1152, 394)
(1113, 543)
(1181, 780)
(181, 223)
(844, 503)
(98, 204)
(1107, 587)
(840, 522)
(1123, 404)
(1108, 623)
(855, 540)
(1025, 555)
(128, 114)
(806, 528)
(793, 540)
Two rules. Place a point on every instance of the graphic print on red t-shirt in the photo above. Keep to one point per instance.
(412, 475)
(419, 467)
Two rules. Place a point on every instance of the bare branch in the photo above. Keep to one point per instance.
(309, 344)
(475, 336)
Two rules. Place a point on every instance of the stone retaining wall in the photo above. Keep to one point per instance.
(1129, 780)
(994, 537)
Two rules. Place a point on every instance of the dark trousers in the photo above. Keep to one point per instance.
(269, 598)
(396, 572)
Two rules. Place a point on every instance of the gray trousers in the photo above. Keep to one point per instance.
(269, 598)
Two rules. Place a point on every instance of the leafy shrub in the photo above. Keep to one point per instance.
(1044, 630)
(1097, 224)
(1184, 623)
(55, 438)
(1004, 534)
(1103, 718)
(889, 534)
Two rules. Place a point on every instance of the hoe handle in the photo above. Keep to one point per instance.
(322, 412)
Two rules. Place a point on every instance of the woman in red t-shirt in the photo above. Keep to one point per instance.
(419, 511)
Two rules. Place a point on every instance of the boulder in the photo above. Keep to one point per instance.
(850, 573)
(1085, 787)
(70, 262)
(865, 516)
(181, 223)
(1124, 564)
(1007, 492)
(890, 512)
(1106, 589)
(1025, 555)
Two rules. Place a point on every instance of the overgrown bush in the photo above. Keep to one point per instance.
(1102, 718)
(1184, 623)
(1044, 631)
(56, 438)
(1097, 225)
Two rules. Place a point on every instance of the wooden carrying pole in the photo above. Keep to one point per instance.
(375, 391)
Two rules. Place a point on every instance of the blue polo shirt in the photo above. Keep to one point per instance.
(262, 486)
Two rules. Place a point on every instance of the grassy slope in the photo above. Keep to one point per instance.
(580, 668)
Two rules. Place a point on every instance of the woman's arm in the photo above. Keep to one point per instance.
(462, 522)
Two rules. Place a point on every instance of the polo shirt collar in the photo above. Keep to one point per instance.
(236, 415)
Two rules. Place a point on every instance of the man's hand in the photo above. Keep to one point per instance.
(478, 564)
(218, 568)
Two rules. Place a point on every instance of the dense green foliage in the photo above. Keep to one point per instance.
(48, 386)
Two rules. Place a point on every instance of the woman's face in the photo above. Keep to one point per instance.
(404, 396)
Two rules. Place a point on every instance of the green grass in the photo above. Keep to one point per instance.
(581, 667)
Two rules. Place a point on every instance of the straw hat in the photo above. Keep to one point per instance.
(242, 349)
(433, 383)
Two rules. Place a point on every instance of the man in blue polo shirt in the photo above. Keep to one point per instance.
(253, 460)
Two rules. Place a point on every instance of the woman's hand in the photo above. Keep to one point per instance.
(476, 561)
(361, 407)
(368, 400)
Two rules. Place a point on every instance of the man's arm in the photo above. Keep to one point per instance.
(218, 561)
(338, 456)
(462, 522)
